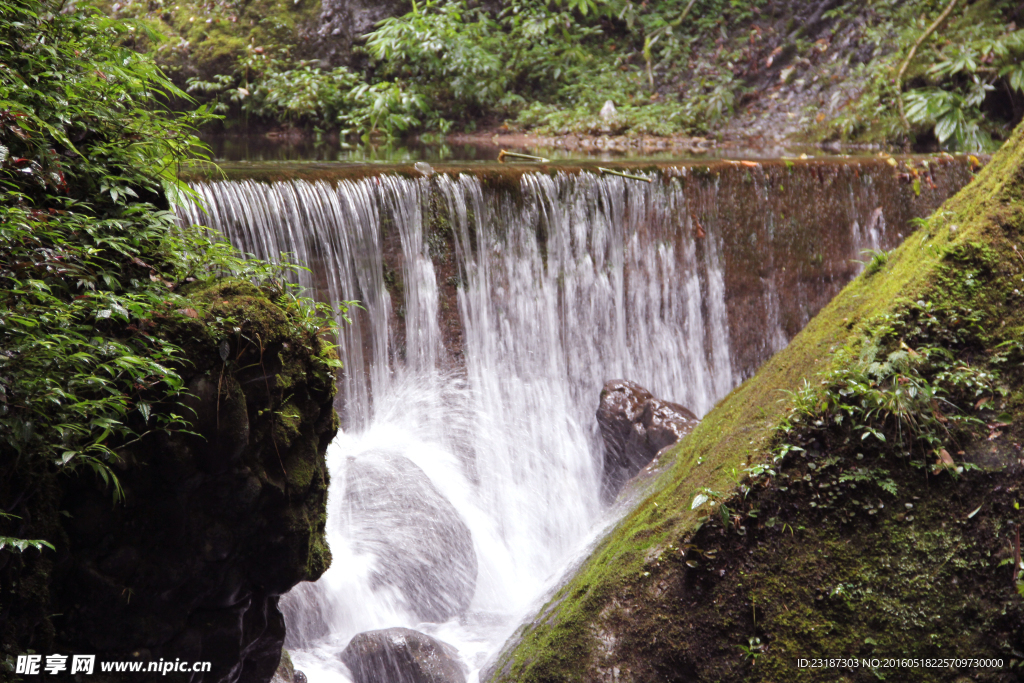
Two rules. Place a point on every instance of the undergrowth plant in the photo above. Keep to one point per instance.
(916, 388)
(547, 64)
(879, 71)
(92, 262)
(959, 73)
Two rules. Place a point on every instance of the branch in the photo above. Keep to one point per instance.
(910, 55)
(683, 15)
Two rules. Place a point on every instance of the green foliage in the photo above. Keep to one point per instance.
(444, 49)
(891, 395)
(955, 116)
(387, 108)
(969, 62)
(445, 62)
(81, 148)
(465, 62)
(21, 544)
(879, 257)
(950, 84)
(304, 95)
(553, 63)
(301, 96)
(753, 649)
(91, 261)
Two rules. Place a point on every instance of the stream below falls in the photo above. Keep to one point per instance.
(496, 301)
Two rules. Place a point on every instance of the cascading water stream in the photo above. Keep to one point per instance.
(470, 469)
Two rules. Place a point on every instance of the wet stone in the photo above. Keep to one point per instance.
(401, 655)
(422, 546)
(635, 426)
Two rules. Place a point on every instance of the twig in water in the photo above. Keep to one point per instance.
(502, 154)
(624, 175)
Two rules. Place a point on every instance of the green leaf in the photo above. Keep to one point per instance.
(21, 544)
(945, 128)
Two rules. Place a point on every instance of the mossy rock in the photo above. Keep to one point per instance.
(218, 518)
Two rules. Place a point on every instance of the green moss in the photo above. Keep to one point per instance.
(203, 40)
(217, 53)
(286, 670)
(972, 267)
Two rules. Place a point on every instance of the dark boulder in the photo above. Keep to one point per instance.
(635, 426)
(423, 547)
(401, 655)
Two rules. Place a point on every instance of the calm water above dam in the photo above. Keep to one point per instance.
(496, 301)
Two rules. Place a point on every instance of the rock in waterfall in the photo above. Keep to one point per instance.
(635, 426)
(401, 655)
(423, 548)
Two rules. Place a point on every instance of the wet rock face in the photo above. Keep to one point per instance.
(401, 655)
(215, 525)
(635, 426)
(423, 548)
(344, 22)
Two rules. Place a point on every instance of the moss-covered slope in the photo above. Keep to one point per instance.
(831, 523)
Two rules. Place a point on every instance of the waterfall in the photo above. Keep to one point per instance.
(493, 311)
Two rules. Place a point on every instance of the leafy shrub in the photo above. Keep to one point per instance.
(910, 386)
(303, 95)
(89, 253)
(951, 77)
(964, 74)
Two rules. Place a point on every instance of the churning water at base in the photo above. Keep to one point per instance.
(469, 472)
(423, 497)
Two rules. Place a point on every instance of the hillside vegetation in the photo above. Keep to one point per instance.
(928, 72)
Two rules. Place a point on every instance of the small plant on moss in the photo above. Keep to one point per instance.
(879, 259)
(916, 401)
(753, 649)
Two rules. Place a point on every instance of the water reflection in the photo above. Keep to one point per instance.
(263, 148)
(266, 148)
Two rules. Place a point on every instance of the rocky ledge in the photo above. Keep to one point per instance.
(216, 522)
